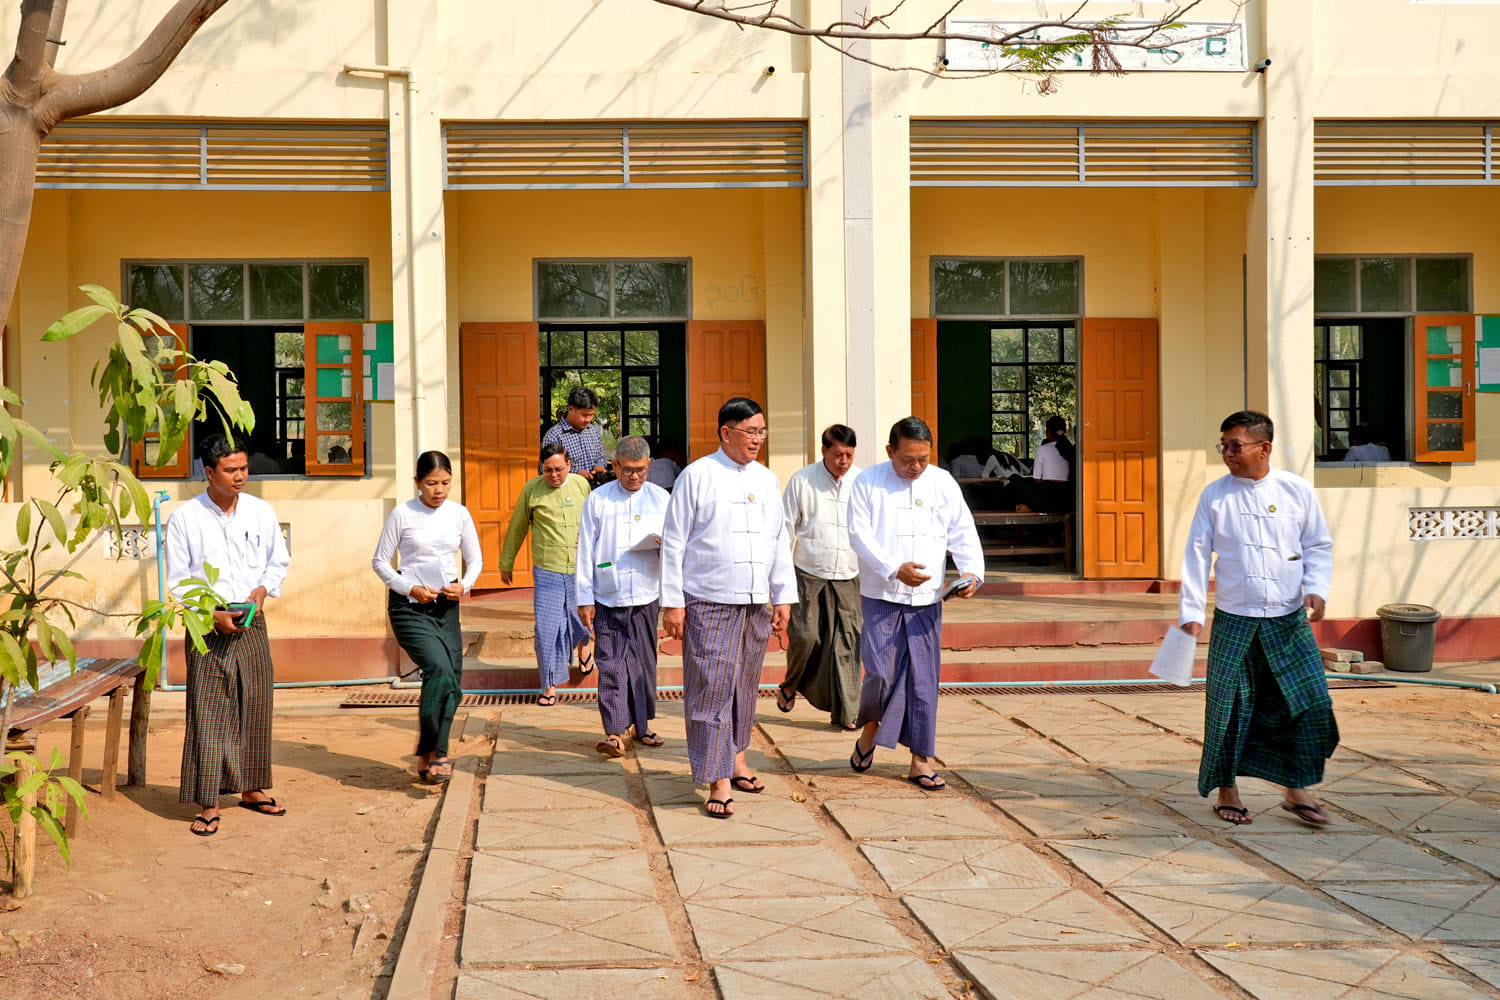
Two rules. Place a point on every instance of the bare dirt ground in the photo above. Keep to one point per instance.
(309, 905)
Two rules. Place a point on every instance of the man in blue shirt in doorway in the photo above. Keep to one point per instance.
(577, 433)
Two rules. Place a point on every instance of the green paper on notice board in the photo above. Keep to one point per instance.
(1487, 353)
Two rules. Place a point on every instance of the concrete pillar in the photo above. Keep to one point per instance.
(781, 249)
(1279, 241)
(1183, 306)
(418, 270)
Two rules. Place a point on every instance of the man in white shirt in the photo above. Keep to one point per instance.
(1268, 714)
(724, 563)
(822, 654)
(1363, 449)
(227, 746)
(618, 590)
(905, 517)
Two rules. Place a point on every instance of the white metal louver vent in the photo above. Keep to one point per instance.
(487, 157)
(1401, 153)
(220, 156)
(1023, 154)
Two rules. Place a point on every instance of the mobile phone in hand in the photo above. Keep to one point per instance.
(243, 613)
(958, 586)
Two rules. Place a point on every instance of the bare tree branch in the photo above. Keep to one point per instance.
(55, 30)
(29, 67)
(69, 96)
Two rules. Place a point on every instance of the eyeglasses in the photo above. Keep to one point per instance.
(625, 473)
(758, 434)
(1235, 447)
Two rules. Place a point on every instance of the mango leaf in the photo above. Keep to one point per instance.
(23, 524)
(8, 395)
(45, 820)
(140, 313)
(44, 639)
(39, 439)
(65, 644)
(31, 784)
(73, 322)
(54, 519)
(102, 296)
(12, 663)
(74, 791)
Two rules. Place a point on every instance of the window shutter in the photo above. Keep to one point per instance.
(1443, 371)
(143, 453)
(333, 391)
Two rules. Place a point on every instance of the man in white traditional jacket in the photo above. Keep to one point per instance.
(822, 653)
(618, 590)
(1268, 714)
(725, 563)
(905, 517)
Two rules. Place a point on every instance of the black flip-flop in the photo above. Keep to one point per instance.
(1304, 814)
(546, 700)
(260, 806)
(586, 664)
(212, 824)
(861, 760)
(747, 783)
(928, 782)
(785, 701)
(1239, 814)
(431, 776)
(650, 740)
(721, 814)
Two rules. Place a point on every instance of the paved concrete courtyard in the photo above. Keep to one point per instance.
(1069, 859)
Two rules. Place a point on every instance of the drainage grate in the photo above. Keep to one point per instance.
(411, 698)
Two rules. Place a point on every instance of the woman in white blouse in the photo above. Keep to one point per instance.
(427, 532)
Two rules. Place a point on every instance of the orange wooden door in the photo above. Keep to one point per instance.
(724, 360)
(501, 412)
(1120, 449)
(924, 376)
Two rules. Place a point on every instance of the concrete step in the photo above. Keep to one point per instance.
(1044, 663)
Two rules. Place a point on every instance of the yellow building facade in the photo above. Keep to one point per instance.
(491, 198)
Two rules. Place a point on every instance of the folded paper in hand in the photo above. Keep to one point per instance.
(1174, 661)
(648, 544)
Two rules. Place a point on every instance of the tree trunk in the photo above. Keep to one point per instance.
(20, 144)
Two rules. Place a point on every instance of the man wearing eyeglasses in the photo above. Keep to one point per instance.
(1268, 714)
(618, 590)
(726, 583)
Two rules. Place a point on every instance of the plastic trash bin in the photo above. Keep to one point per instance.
(1408, 636)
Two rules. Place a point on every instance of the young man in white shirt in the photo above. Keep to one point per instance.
(727, 583)
(905, 517)
(227, 746)
(822, 654)
(1268, 714)
(618, 590)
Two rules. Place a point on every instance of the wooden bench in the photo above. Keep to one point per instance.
(1014, 519)
(70, 698)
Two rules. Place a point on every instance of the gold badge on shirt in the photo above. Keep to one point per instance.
(1272, 508)
(638, 517)
(567, 501)
(750, 497)
(919, 503)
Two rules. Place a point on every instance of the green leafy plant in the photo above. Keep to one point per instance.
(148, 385)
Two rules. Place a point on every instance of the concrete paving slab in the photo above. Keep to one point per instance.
(1420, 813)
(1136, 748)
(808, 927)
(995, 751)
(805, 732)
(562, 757)
(1263, 913)
(1411, 746)
(597, 874)
(564, 932)
(574, 984)
(769, 872)
(1084, 975)
(1338, 974)
(1136, 862)
(1166, 779)
(510, 792)
(1029, 781)
(1482, 850)
(756, 820)
(921, 865)
(871, 978)
(680, 789)
(1349, 857)
(1439, 911)
(1265, 812)
(1480, 781)
(1356, 777)
(1084, 719)
(1095, 816)
(941, 814)
(1483, 963)
(539, 829)
(1018, 918)
(673, 759)
(886, 780)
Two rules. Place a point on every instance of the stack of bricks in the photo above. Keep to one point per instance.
(1349, 661)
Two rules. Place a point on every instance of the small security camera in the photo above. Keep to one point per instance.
(1262, 66)
(943, 61)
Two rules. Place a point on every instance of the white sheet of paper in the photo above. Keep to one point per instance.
(1489, 365)
(1174, 661)
(385, 380)
(647, 544)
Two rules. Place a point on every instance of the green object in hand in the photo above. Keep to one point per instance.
(245, 612)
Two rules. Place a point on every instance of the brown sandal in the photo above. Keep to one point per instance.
(611, 746)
